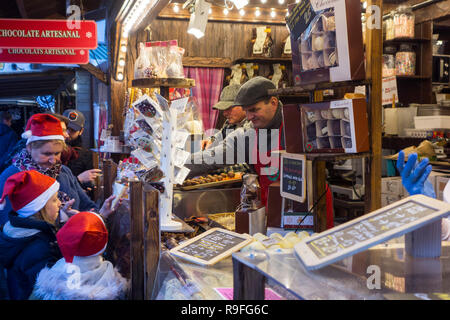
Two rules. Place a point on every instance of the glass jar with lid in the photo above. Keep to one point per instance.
(405, 60)
(388, 62)
(403, 22)
(388, 25)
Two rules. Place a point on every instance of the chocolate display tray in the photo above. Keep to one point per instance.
(210, 184)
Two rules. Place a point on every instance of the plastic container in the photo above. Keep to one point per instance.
(405, 61)
(388, 25)
(403, 22)
(388, 62)
(432, 122)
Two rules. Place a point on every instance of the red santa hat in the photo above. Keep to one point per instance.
(83, 235)
(43, 126)
(28, 192)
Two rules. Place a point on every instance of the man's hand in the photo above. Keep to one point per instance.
(106, 209)
(89, 175)
(204, 144)
(414, 179)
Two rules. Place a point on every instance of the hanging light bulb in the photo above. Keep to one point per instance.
(209, 11)
(257, 13)
(225, 11)
(242, 12)
(287, 13)
(272, 13)
(280, 1)
(263, 1)
(176, 8)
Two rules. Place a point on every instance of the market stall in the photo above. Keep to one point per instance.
(330, 84)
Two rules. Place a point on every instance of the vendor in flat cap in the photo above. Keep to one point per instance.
(258, 144)
(234, 115)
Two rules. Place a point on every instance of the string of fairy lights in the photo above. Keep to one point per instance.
(242, 11)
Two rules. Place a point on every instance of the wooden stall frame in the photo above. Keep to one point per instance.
(145, 240)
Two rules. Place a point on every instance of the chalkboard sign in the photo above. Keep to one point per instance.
(211, 246)
(299, 18)
(379, 226)
(293, 178)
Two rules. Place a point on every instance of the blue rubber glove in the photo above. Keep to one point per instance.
(414, 177)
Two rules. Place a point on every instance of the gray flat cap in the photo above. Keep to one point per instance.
(253, 91)
(227, 97)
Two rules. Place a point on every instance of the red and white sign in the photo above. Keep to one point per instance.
(56, 56)
(34, 33)
(389, 90)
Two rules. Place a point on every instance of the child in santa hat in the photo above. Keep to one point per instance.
(82, 274)
(27, 241)
(45, 143)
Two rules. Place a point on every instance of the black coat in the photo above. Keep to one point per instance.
(25, 257)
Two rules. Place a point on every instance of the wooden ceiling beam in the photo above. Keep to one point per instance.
(96, 72)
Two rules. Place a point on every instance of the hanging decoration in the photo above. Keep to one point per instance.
(46, 102)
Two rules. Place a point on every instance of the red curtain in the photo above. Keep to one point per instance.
(208, 86)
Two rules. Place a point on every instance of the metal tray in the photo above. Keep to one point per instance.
(210, 184)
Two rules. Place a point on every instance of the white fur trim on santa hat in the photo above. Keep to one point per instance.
(27, 134)
(51, 137)
(98, 280)
(39, 202)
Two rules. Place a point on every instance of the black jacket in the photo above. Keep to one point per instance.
(24, 257)
(84, 160)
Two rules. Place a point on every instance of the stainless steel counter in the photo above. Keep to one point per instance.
(354, 277)
(204, 202)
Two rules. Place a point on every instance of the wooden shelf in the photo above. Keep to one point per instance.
(405, 40)
(292, 91)
(336, 156)
(415, 77)
(163, 82)
(262, 60)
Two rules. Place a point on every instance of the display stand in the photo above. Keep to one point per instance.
(165, 201)
(169, 129)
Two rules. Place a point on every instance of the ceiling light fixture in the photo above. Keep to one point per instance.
(176, 8)
(199, 18)
(239, 4)
(272, 13)
(242, 12)
(280, 1)
(257, 13)
(225, 11)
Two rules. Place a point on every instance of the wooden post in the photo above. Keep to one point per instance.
(248, 284)
(137, 241)
(319, 177)
(109, 174)
(151, 242)
(374, 51)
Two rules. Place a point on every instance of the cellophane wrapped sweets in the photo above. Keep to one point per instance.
(175, 60)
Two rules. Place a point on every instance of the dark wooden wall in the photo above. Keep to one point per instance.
(221, 40)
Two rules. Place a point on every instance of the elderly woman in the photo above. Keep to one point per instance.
(45, 143)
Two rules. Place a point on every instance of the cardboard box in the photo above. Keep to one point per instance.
(387, 199)
(339, 126)
(326, 41)
(393, 186)
(441, 182)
